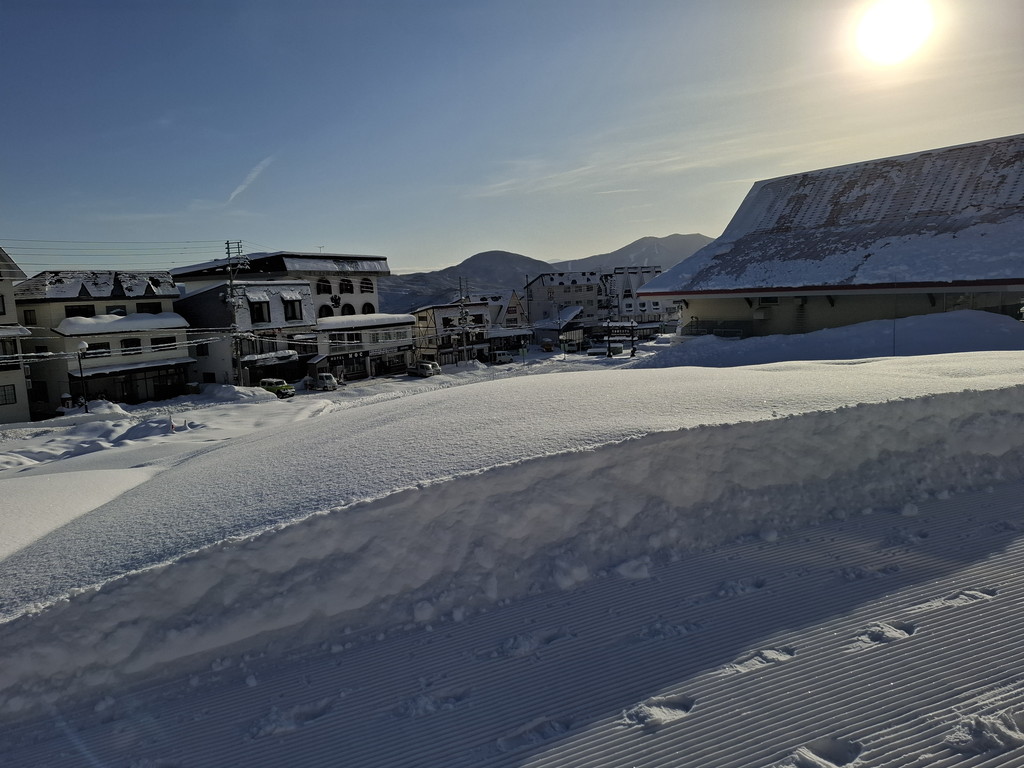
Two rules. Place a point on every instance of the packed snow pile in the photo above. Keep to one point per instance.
(425, 509)
(960, 331)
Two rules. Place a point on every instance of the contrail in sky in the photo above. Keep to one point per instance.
(253, 175)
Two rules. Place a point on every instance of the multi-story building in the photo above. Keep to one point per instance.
(509, 329)
(573, 303)
(105, 334)
(361, 346)
(13, 387)
(341, 284)
(242, 329)
(600, 295)
(333, 326)
(453, 333)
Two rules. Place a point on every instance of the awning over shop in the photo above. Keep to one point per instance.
(125, 367)
(269, 358)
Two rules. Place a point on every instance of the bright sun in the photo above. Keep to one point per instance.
(890, 31)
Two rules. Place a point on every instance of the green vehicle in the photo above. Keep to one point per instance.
(279, 387)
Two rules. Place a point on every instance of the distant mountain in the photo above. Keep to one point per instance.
(502, 270)
(481, 273)
(661, 252)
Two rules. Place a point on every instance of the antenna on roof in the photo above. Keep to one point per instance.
(321, 248)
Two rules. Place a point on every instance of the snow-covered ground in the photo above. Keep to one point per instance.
(803, 552)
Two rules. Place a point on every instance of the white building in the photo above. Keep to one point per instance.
(102, 334)
(14, 405)
(343, 301)
(361, 346)
(243, 328)
(595, 298)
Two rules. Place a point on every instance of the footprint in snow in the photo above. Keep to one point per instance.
(663, 630)
(526, 644)
(759, 660)
(882, 633)
(963, 597)
(279, 721)
(650, 714)
(826, 752)
(424, 704)
(533, 733)
(978, 735)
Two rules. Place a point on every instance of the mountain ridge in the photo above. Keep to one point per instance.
(497, 270)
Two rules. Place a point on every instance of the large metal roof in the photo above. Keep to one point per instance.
(940, 216)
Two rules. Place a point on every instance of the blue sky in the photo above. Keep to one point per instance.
(147, 132)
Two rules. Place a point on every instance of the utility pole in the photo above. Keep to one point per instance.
(233, 248)
(463, 318)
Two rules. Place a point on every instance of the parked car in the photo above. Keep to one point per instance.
(572, 346)
(500, 358)
(424, 368)
(325, 382)
(279, 387)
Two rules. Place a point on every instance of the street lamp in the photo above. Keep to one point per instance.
(82, 347)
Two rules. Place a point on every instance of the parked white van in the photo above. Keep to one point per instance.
(500, 358)
(424, 368)
(325, 382)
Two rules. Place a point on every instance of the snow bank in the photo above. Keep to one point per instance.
(435, 552)
(960, 331)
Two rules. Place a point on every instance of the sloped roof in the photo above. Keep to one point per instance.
(8, 269)
(287, 261)
(63, 285)
(941, 216)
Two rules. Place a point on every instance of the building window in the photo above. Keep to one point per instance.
(79, 310)
(259, 311)
(347, 309)
(323, 285)
(30, 317)
(163, 343)
(116, 309)
(98, 349)
(8, 395)
(368, 309)
(366, 285)
(292, 309)
(345, 286)
(202, 350)
(3, 305)
(325, 311)
(131, 346)
(149, 307)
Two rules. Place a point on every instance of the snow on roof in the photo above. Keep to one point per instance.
(363, 321)
(289, 261)
(14, 330)
(116, 367)
(90, 284)
(497, 332)
(341, 264)
(940, 216)
(137, 321)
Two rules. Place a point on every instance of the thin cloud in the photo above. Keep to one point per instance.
(253, 175)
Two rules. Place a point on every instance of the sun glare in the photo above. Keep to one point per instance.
(891, 31)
